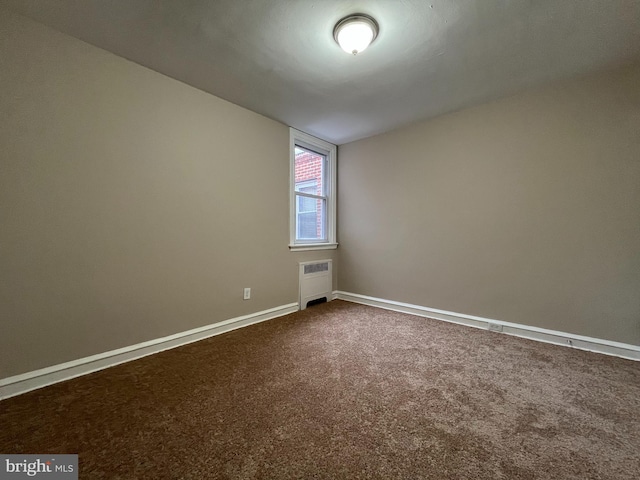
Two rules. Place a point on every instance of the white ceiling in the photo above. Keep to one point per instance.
(278, 57)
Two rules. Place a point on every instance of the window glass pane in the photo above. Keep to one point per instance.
(309, 171)
(306, 204)
(310, 223)
(309, 186)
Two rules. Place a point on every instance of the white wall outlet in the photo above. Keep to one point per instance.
(247, 293)
(494, 327)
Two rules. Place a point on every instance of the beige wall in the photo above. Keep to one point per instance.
(132, 206)
(525, 210)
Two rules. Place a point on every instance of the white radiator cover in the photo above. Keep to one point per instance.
(315, 281)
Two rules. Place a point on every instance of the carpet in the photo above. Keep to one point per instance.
(342, 390)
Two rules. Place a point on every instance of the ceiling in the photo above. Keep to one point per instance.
(278, 57)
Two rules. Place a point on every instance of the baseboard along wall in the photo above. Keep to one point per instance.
(607, 347)
(18, 384)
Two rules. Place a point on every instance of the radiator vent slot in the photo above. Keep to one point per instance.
(317, 301)
(316, 267)
(315, 282)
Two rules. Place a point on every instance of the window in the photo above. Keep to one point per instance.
(312, 193)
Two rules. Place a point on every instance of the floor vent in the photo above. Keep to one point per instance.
(315, 282)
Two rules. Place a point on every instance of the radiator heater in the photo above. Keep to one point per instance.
(315, 282)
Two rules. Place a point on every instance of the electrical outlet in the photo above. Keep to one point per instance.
(247, 293)
(494, 327)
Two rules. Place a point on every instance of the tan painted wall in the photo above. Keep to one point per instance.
(525, 210)
(132, 206)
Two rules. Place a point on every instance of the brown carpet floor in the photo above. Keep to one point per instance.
(344, 391)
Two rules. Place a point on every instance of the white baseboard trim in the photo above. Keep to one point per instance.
(18, 384)
(607, 347)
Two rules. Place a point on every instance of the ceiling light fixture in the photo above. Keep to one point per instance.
(355, 33)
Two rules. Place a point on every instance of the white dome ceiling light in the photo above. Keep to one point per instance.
(355, 33)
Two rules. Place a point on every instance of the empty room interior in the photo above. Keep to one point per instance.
(238, 240)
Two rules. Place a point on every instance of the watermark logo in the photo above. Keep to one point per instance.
(50, 467)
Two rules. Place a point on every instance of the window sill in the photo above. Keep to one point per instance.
(298, 247)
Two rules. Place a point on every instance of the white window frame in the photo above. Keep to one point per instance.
(308, 142)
